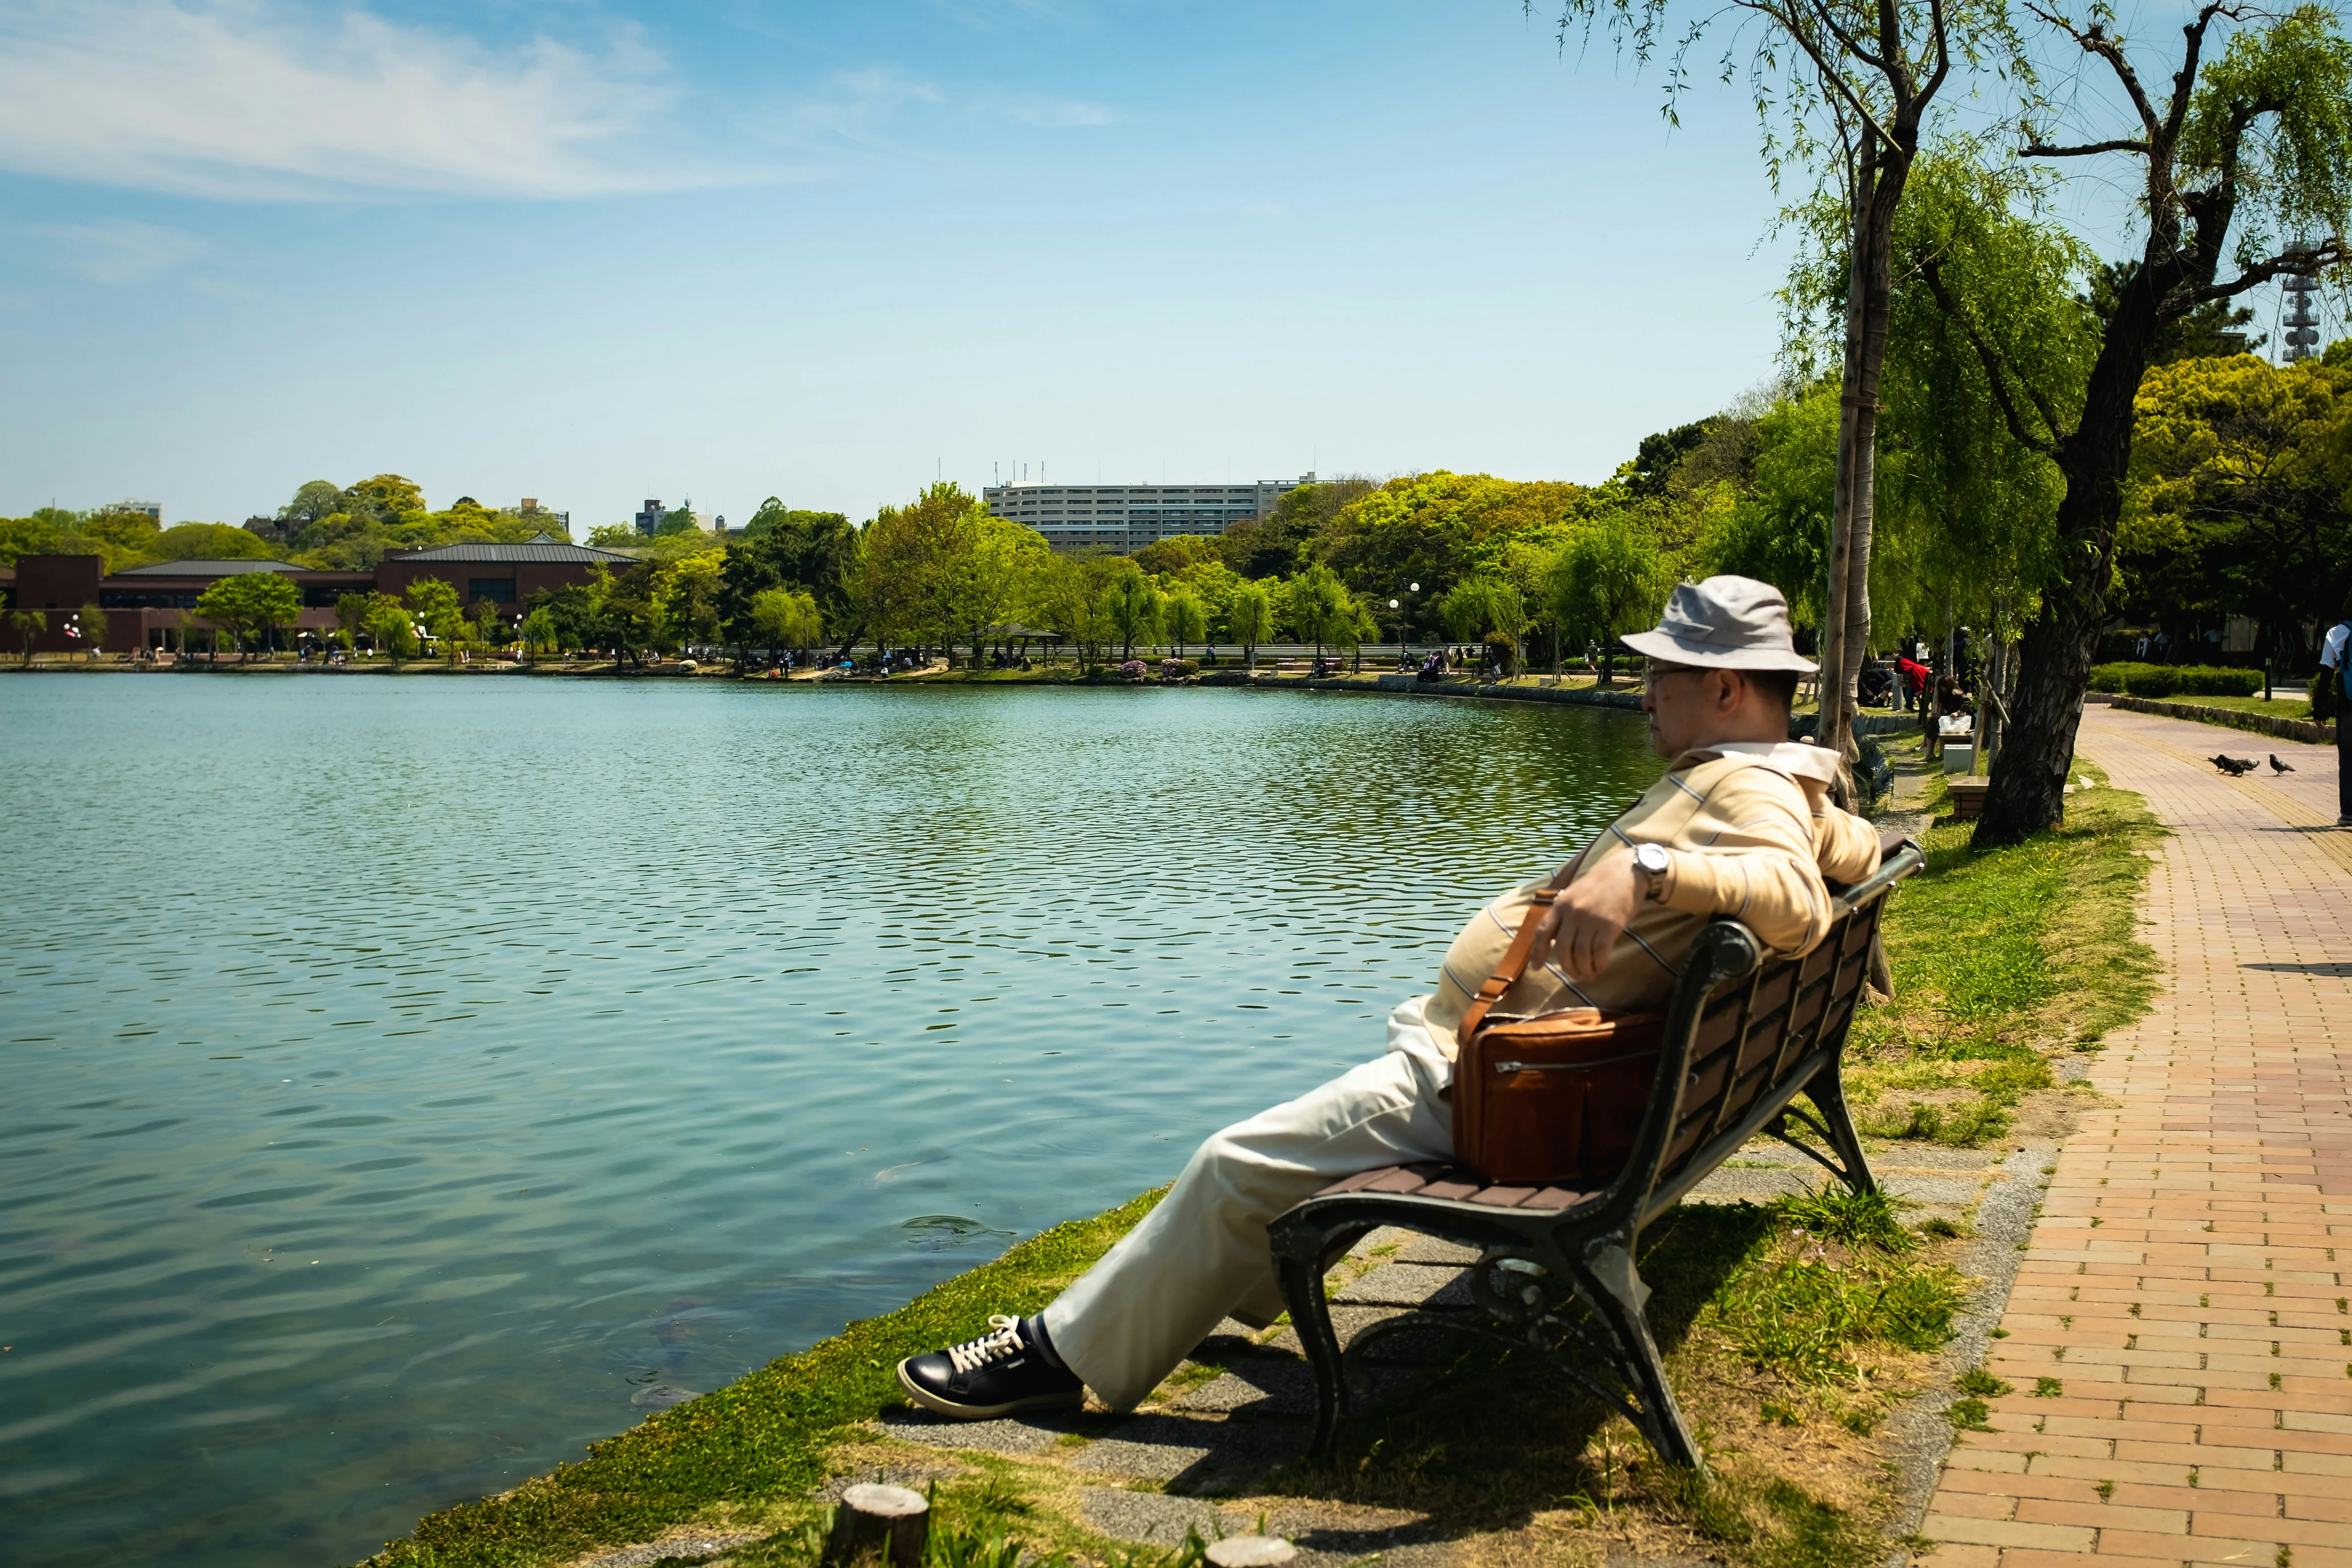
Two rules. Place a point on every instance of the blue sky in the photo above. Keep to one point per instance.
(594, 252)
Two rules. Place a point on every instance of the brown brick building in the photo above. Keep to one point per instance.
(153, 607)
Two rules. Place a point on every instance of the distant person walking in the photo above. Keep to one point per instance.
(2332, 652)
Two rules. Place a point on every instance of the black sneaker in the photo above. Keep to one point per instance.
(996, 1375)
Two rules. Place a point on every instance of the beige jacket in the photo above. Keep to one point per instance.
(1752, 835)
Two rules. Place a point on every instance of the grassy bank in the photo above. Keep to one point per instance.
(2004, 960)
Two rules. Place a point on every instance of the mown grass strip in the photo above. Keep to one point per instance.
(2001, 958)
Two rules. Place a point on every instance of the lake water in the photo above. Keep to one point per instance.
(408, 1081)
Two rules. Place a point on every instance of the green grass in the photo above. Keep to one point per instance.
(2288, 702)
(2001, 958)
(759, 1440)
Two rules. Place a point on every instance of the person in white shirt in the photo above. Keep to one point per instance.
(2332, 659)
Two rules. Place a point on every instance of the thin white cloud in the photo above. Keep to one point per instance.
(236, 100)
(119, 251)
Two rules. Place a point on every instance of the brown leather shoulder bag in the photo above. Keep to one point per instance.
(1550, 1098)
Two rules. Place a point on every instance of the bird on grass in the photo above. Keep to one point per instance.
(2236, 767)
(2280, 767)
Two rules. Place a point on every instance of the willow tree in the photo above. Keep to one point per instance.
(1843, 87)
(2264, 134)
(1968, 511)
(1249, 619)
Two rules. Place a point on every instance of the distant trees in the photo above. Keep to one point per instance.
(1610, 579)
(1132, 605)
(1186, 619)
(537, 632)
(247, 604)
(1249, 619)
(786, 619)
(435, 604)
(27, 625)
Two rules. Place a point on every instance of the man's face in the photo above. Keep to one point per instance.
(1689, 707)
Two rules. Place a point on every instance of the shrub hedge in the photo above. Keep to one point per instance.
(2175, 680)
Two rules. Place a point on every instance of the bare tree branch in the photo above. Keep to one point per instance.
(2330, 253)
(2095, 40)
(2044, 149)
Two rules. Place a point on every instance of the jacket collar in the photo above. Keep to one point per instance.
(1795, 758)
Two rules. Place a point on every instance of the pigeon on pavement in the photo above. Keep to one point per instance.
(2236, 767)
(2280, 767)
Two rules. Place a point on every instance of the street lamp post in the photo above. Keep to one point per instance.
(1410, 588)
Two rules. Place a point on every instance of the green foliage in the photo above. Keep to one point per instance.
(786, 618)
(2274, 114)
(1186, 619)
(1799, 1311)
(209, 541)
(2238, 502)
(1835, 1212)
(1610, 579)
(1133, 607)
(1439, 529)
(249, 602)
(1777, 530)
(2175, 679)
(1249, 616)
(1321, 610)
(1976, 1380)
(1970, 1414)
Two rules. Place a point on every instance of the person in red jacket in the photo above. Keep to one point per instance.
(1914, 679)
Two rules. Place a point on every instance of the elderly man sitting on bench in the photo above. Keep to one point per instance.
(1738, 826)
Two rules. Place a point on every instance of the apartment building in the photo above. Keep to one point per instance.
(1128, 517)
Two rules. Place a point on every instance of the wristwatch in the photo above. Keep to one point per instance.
(1654, 864)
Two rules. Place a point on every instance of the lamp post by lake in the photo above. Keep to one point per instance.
(1410, 588)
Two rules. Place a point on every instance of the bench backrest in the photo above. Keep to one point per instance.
(1745, 1034)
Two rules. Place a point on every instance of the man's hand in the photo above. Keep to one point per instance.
(1590, 914)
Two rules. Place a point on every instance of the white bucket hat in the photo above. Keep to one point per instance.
(1724, 622)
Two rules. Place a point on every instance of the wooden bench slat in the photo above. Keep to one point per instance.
(1351, 1184)
(1449, 1189)
(1396, 1179)
(1556, 1198)
(1503, 1197)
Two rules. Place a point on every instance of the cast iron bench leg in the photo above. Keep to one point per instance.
(1301, 1280)
(1614, 1290)
(1827, 1091)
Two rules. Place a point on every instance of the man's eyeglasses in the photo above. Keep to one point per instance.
(1652, 671)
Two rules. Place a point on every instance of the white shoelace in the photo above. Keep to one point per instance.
(996, 1346)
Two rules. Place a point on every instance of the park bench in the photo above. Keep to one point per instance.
(1747, 1035)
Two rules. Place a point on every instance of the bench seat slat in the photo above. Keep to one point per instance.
(1396, 1179)
(1503, 1197)
(1356, 1182)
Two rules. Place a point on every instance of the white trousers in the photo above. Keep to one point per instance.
(1201, 1255)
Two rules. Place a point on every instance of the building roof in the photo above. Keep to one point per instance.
(205, 568)
(542, 549)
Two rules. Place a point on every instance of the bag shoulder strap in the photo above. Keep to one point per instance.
(1514, 961)
(1512, 965)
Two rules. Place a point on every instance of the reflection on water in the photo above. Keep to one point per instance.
(409, 1082)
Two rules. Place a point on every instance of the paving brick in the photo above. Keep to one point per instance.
(1941, 1526)
(2103, 1516)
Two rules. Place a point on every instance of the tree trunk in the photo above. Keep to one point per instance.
(2028, 779)
(1881, 175)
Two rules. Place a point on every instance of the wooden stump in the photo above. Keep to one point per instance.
(1252, 1551)
(888, 1523)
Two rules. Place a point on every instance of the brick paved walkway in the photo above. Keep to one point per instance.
(2178, 1339)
